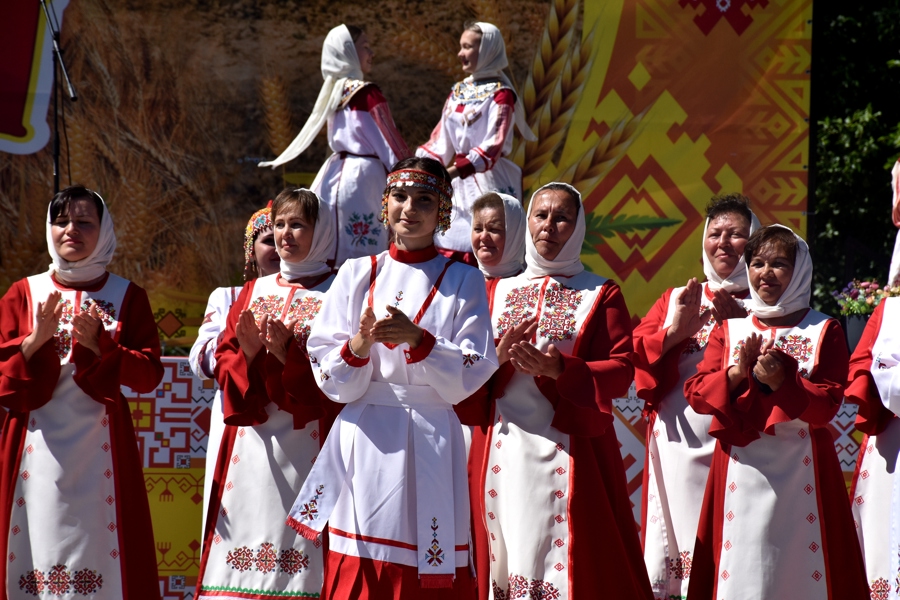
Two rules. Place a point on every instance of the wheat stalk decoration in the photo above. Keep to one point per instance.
(277, 113)
(435, 49)
(488, 11)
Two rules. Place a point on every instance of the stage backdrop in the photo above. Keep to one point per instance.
(648, 106)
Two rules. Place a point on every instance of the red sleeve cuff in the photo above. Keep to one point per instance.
(464, 166)
(350, 358)
(421, 352)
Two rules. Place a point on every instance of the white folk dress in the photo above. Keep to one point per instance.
(266, 451)
(874, 384)
(75, 518)
(776, 522)
(679, 447)
(391, 478)
(475, 132)
(366, 145)
(203, 365)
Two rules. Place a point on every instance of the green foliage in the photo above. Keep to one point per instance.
(598, 227)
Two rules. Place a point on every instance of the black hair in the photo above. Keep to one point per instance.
(729, 204)
(429, 165)
(472, 26)
(772, 236)
(72, 193)
(355, 32)
(306, 200)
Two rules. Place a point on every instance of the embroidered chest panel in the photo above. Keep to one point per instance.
(286, 303)
(304, 310)
(271, 304)
(469, 92)
(799, 342)
(520, 304)
(351, 86)
(559, 316)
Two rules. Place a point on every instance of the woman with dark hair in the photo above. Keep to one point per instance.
(260, 259)
(775, 521)
(74, 515)
(363, 139)
(474, 135)
(668, 346)
(403, 337)
(271, 437)
(552, 514)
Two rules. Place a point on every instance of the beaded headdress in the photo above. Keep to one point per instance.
(259, 222)
(422, 179)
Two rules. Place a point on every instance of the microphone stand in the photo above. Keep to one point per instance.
(58, 65)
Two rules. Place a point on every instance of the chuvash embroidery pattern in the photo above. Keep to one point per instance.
(270, 305)
(698, 341)
(470, 359)
(435, 554)
(558, 319)
(362, 229)
(63, 335)
(522, 587)
(799, 348)
(267, 559)
(520, 305)
(466, 92)
(59, 580)
(310, 510)
(880, 589)
(680, 567)
(305, 311)
(105, 310)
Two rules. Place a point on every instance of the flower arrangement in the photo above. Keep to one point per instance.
(861, 297)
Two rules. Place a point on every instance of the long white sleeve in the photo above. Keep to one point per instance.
(203, 352)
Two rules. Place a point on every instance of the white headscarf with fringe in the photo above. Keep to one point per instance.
(321, 248)
(568, 261)
(340, 62)
(737, 280)
(94, 266)
(491, 62)
(513, 260)
(796, 296)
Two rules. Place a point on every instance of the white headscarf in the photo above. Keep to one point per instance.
(737, 281)
(568, 261)
(513, 260)
(92, 267)
(796, 296)
(491, 62)
(320, 250)
(340, 62)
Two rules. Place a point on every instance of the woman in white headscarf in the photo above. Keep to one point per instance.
(776, 520)
(274, 416)
(474, 134)
(552, 514)
(363, 139)
(668, 345)
(74, 514)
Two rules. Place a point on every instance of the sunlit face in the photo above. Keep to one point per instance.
(726, 237)
(552, 222)
(365, 53)
(770, 272)
(293, 234)
(469, 43)
(413, 214)
(267, 259)
(489, 235)
(76, 230)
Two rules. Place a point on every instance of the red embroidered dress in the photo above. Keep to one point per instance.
(270, 441)
(775, 521)
(552, 514)
(75, 517)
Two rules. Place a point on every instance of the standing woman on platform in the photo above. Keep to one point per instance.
(550, 486)
(271, 438)
(260, 259)
(74, 515)
(474, 135)
(668, 346)
(776, 520)
(364, 141)
(402, 338)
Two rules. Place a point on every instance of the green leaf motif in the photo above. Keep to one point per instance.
(598, 227)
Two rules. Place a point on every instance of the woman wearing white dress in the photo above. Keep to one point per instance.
(364, 141)
(474, 135)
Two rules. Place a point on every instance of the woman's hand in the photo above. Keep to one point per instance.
(515, 334)
(86, 328)
(276, 336)
(531, 361)
(361, 343)
(689, 316)
(453, 172)
(48, 316)
(248, 335)
(769, 369)
(396, 328)
(748, 354)
(726, 307)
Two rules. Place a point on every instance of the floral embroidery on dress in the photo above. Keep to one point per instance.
(543, 590)
(520, 305)
(266, 557)
(880, 589)
(292, 561)
(470, 359)
(736, 353)
(105, 310)
(240, 559)
(518, 587)
(499, 594)
(351, 86)
(305, 311)
(698, 341)
(435, 554)
(798, 347)
(87, 582)
(63, 334)
(58, 580)
(398, 298)
(680, 567)
(362, 229)
(310, 510)
(558, 318)
(467, 91)
(271, 305)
